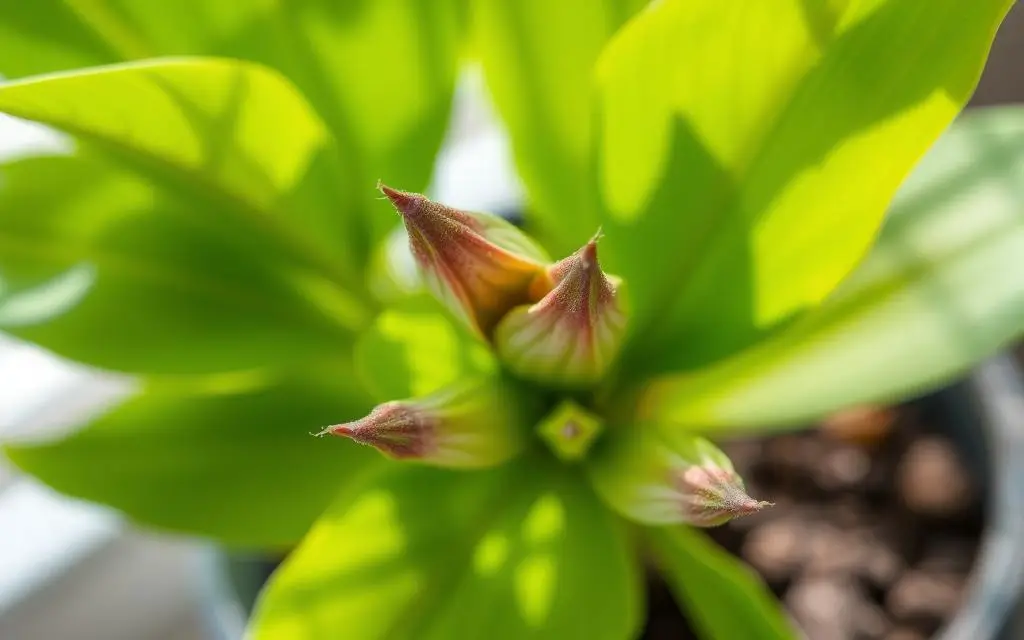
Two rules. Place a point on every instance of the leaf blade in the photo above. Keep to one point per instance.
(446, 555)
(229, 456)
(939, 292)
(725, 599)
(414, 349)
(387, 118)
(201, 300)
(188, 124)
(784, 149)
(538, 59)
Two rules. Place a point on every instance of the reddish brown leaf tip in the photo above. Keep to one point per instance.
(393, 428)
(405, 203)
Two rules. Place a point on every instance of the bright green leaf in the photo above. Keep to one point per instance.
(167, 292)
(415, 349)
(388, 117)
(521, 551)
(199, 127)
(229, 456)
(723, 598)
(538, 58)
(745, 170)
(205, 120)
(940, 291)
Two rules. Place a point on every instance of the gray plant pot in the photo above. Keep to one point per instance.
(993, 399)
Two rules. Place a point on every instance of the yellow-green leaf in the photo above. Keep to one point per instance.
(388, 117)
(745, 170)
(724, 599)
(941, 290)
(523, 551)
(166, 293)
(230, 456)
(203, 129)
(416, 349)
(538, 58)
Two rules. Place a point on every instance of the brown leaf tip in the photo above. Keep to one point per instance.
(394, 428)
(581, 289)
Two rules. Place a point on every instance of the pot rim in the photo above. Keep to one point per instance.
(996, 391)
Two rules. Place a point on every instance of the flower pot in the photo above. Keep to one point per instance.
(983, 418)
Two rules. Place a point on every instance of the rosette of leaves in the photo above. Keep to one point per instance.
(214, 230)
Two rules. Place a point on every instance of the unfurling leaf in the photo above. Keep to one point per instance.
(472, 425)
(572, 335)
(656, 480)
(477, 264)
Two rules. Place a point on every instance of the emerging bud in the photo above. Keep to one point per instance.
(571, 336)
(477, 264)
(653, 480)
(475, 425)
(570, 430)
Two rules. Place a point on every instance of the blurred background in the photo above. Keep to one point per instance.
(71, 570)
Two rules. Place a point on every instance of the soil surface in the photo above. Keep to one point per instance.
(875, 528)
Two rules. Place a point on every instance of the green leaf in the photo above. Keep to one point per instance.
(58, 35)
(521, 551)
(167, 292)
(538, 58)
(389, 117)
(48, 35)
(941, 290)
(229, 456)
(722, 597)
(199, 128)
(415, 349)
(744, 171)
(209, 205)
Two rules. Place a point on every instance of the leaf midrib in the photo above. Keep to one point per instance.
(204, 189)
